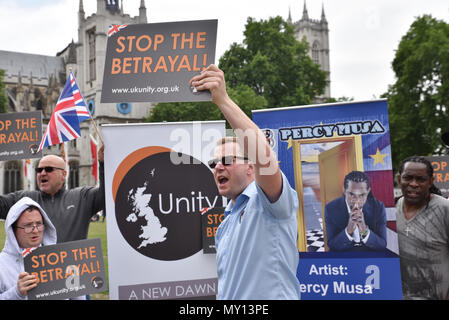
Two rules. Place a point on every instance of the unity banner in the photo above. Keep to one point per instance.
(20, 135)
(154, 62)
(317, 147)
(157, 184)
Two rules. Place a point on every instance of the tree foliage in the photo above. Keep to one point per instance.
(243, 95)
(274, 64)
(3, 100)
(419, 99)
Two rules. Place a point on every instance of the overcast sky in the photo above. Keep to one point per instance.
(364, 34)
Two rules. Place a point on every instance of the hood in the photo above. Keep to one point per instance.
(11, 244)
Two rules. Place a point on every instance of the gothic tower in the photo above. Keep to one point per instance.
(87, 63)
(316, 32)
(34, 82)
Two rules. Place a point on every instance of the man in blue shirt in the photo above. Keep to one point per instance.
(257, 256)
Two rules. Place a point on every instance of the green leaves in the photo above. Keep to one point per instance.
(419, 99)
(274, 64)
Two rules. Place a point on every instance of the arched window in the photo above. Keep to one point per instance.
(316, 52)
(12, 177)
(39, 99)
(92, 54)
(11, 105)
(39, 104)
(74, 175)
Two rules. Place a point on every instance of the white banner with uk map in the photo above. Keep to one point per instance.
(157, 182)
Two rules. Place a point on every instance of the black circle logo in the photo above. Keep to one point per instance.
(159, 201)
(97, 282)
(33, 148)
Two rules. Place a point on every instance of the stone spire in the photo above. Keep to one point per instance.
(323, 16)
(289, 19)
(101, 7)
(81, 11)
(305, 15)
(142, 12)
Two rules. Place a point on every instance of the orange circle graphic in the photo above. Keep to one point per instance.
(130, 162)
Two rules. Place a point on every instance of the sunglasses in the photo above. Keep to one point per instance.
(47, 169)
(226, 161)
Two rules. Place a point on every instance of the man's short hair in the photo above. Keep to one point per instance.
(356, 176)
(28, 209)
(417, 159)
(231, 139)
(225, 140)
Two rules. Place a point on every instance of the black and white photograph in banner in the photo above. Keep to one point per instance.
(154, 62)
(67, 270)
(20, 135)
(210, 221)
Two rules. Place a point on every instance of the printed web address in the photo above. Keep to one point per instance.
(147, 89)
(60, 291)
(41, 295)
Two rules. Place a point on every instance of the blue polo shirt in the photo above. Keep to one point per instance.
(257, 256)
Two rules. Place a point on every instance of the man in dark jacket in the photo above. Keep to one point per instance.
(69, 210)
(356, 221)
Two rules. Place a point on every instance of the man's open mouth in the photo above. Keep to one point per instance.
(222, 180)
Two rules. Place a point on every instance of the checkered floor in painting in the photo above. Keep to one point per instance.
(315, 240)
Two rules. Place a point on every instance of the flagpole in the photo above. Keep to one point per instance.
(96, 129)
(94, 151)
(65, 156)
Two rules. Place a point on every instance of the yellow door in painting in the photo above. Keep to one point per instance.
(334, 164)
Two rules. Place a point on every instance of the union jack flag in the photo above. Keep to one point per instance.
(114, 28)
(70, 110)
(27, 251)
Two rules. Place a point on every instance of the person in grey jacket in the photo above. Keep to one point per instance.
(27, 226)
(69, 210)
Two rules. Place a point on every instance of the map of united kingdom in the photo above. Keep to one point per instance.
(152, 232)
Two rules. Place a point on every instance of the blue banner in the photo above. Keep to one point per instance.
(340, 276)
(320, 148)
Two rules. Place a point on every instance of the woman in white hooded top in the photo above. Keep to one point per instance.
(24, 229)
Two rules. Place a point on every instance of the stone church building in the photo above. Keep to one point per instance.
(316, 33)
(34, 82)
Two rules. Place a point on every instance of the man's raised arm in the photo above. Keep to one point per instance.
(256, 147)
